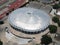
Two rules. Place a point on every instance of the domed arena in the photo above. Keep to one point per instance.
(29, 20)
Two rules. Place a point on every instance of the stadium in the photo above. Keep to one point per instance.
(25, 22)
(29, 20)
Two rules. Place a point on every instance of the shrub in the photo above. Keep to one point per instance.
(52, 28)
(55, 19)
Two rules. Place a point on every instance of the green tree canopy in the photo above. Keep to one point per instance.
(55, 19)
(1, 43)
(56, 6)
(1, 22)
(59, 23)
(52, 28)
(57, 0)
(46, 39)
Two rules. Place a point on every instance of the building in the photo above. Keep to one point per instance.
(26, 22)
(29, 21)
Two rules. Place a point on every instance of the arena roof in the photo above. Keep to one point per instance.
(29, 19)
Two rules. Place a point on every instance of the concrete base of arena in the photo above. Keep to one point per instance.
(22, 38)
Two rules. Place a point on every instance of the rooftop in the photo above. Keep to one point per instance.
(29, 19)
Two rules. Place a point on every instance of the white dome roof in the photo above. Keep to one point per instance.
(29, 19)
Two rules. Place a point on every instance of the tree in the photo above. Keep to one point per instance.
(1, 22)
(31, 0)
(46, 39)
(52, 28)
(7, 14)
(57, 0)
(55, 19)
(56, 6)
(59, 23)
(1, 43)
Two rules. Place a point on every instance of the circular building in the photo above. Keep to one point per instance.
(29, 20)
